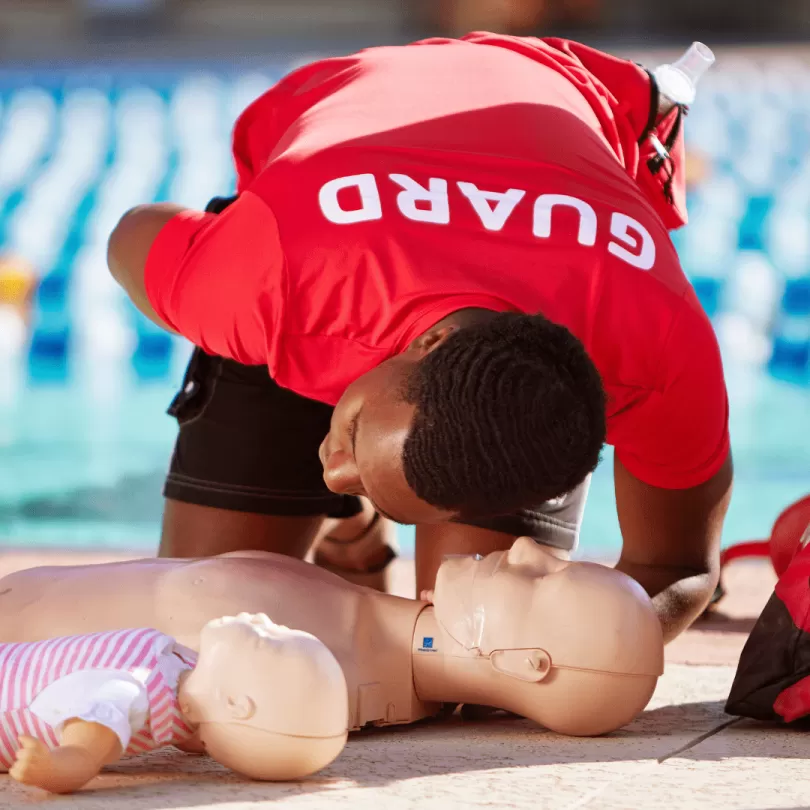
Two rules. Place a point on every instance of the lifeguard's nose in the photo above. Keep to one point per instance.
(340, 474)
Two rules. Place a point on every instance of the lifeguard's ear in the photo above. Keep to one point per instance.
(432, 339)
(525, 665)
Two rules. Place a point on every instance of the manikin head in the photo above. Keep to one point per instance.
(271, 703)
(576, 646)
(481, 415)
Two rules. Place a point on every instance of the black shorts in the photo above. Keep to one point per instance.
(248, 445)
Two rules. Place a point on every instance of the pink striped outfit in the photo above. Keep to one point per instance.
(144, 661)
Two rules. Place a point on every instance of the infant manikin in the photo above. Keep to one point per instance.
(263, 700)
(574, 646)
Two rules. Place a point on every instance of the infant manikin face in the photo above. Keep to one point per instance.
(257, 682)
(526, 598)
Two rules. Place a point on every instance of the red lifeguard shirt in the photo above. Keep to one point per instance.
(382, 191)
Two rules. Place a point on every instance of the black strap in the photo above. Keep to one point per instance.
(656, 162)
(659, 162)
(652, 115)
(338, 542)
(219, 204)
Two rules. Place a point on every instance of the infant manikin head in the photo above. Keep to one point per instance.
(575, 646)
(271, 703)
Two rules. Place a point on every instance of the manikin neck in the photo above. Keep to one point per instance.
(443, 670)
(182, 682)
(192, 745)
(186, 699)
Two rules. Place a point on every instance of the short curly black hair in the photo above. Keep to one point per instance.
(510, 412)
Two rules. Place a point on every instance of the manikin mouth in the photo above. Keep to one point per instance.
(463, 623)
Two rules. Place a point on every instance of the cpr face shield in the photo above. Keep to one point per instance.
(463, 597)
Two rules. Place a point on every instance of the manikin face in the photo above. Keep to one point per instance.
(479, 599)
(254, 677)
(581, 614)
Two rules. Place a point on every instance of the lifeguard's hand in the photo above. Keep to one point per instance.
(426, 596)
(671, 542)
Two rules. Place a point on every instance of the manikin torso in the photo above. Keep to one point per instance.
(370, 634)
(574, 646)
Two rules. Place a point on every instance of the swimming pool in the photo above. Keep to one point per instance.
(83, 460)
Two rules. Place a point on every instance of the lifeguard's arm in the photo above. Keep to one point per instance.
(216, 279)
(85, 748)
(128, 249)
(672, 542)
(673, 475)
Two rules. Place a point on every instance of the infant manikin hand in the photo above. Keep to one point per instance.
(84, 749)
(34, 765)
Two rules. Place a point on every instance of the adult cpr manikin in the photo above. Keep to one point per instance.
(574, 646)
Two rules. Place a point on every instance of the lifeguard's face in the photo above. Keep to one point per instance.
(362, 453)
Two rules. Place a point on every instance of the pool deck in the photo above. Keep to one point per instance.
(682, 752)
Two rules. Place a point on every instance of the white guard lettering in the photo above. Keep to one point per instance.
(438, 211)
(621, 226)
(493, 219)
(587, 217)
(371, 205)
(632, 242)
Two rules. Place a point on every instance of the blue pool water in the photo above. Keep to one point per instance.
(83, 462)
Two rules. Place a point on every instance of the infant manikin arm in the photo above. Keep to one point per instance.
(85, 748)
(95, 713)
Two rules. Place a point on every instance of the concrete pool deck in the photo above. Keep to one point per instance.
(682, 752)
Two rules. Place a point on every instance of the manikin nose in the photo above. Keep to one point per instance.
(525, 551)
